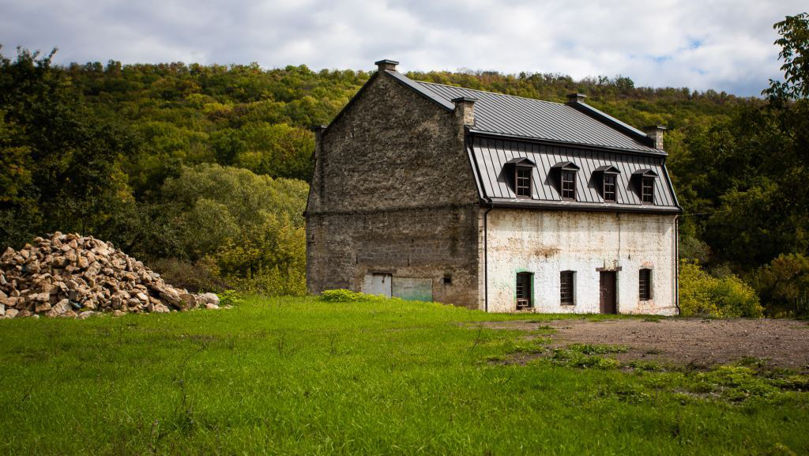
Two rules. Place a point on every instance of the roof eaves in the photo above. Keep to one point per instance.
(648, 151)
(420, 89)
(579, 206)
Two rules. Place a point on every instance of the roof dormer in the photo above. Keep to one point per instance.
(643, 182)
(564, 176)
(606, 179)
(519, 173)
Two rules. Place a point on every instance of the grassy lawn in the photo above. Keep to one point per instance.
(302, 376)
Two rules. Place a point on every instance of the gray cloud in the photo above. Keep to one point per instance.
(721, 45)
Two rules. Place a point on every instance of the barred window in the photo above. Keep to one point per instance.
(566, 287)
(645, 284)
(524, 290)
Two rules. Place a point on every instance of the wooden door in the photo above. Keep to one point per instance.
(607, 292)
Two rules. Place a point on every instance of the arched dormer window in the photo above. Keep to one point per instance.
(607, 178)
(519, 171)
(564, 174)
(644, 183)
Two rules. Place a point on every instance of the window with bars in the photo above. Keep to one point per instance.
(522, 181)
(645, 284)
(608, 190)
(647, 188)
(566, 287)
(568, 185)
(524, 300)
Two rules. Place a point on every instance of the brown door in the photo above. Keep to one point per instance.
(607, 292)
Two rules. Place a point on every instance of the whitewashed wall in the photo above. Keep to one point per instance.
(548, 242)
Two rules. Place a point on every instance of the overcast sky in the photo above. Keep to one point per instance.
(701, 44)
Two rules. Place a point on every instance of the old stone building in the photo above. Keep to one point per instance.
(490, 201)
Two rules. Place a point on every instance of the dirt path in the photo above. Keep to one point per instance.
(783, 343)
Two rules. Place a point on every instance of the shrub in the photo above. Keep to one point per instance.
(784, 285)
(230, 298)
(343, 295)
(195, 277)
(704, 294)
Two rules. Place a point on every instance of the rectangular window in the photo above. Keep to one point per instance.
(647, 190)
(609, 187)
(524, 290)
(645, 284)
(523, 181)
(568, 185)
(566, 287)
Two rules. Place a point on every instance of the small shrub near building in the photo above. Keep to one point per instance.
(706, 295)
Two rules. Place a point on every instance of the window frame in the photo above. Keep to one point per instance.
(613, 178)
(567, 288)
(647, 190)
(563, 191)
(517, 181)
(527, 295)
(645, 289)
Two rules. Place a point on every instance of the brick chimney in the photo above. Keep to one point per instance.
(386, 64)
(573, 98)
(655, 133)
(465, 109)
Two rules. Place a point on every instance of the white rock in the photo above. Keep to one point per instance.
(211, 306)
(210, 298)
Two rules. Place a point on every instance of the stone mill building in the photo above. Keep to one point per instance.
(490, 201)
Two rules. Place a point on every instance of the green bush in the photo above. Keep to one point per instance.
(706, 295)
(343, 295)
(784, 285)
(230, 298)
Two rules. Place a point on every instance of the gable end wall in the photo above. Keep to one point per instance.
(393, 192)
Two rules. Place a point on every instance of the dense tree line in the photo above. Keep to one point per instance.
(202, 169)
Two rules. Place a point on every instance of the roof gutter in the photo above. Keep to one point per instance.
(573, 206)
(645, 153)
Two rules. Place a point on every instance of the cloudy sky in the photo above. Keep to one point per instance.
(701, 44)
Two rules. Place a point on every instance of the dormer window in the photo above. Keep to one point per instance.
(647, 190)
(607, 176)
(565, 176)
(523, 179)
(644, 183)
(608, 188)
(518, 172)
(568, 185)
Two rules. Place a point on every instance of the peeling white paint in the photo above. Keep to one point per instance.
(548, 242)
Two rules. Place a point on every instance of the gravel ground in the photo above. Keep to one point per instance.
(698, 342)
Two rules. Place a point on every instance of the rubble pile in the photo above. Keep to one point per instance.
(68, 275)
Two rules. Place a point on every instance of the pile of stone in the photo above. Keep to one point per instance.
(67, 275)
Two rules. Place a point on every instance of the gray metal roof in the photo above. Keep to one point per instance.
(509, 115)
(491, 154)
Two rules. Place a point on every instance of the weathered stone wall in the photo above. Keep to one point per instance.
(548, 242)
(393, 192)
(435, 244)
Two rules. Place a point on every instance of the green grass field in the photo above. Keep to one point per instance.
(303, 376)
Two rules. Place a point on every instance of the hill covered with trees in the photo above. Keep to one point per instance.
(202, 170)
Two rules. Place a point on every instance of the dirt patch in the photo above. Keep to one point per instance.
(696, 342)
